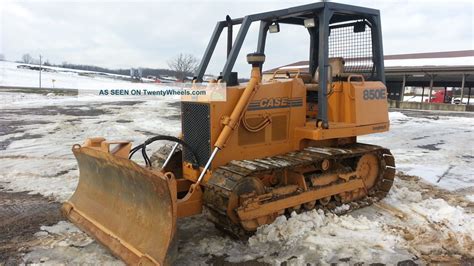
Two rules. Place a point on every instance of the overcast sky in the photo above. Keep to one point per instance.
(123, 34)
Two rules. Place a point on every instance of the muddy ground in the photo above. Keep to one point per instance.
(21, 216)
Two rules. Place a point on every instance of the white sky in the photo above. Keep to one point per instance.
(123, 34)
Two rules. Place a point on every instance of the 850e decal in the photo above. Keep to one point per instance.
(377, 94)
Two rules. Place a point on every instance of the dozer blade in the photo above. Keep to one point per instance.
(128, 208)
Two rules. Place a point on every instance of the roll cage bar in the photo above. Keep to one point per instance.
(326, 15)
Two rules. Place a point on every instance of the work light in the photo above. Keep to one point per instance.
(274, 28)
(309, 23)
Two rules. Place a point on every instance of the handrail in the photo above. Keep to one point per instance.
(298, 72)
(349, 79)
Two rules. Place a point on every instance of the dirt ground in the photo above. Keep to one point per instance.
(21, 216)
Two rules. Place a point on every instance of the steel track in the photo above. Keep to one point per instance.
(224, 179)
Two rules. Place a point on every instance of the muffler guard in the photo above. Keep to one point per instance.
(129, 209)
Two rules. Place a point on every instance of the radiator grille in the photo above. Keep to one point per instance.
(196, 128)
(354, 46)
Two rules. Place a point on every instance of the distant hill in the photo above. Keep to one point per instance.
(145, 71)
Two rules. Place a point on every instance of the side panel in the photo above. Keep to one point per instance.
(282, 102)
(355, 108)
(358, 103)
(370, 103)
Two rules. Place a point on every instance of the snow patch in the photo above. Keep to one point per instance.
(431, 226)
(63, 243)
(393, 116)
(341, 209)
(403, 194)
(318, 237)
(438, 211)
(470, 197)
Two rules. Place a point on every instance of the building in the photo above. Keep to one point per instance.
(419, 76)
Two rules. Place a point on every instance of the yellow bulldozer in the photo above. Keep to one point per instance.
(275, 146)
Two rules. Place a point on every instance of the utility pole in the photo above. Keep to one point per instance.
(40, 74)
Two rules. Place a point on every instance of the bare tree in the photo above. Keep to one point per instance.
(27, 59)
(183, 65)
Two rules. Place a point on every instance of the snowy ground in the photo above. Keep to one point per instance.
(64, 78)
(424, 220)
(437, 146)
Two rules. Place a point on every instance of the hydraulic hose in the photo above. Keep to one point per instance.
(161, 137)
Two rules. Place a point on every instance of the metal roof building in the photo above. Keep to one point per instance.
(426, 70)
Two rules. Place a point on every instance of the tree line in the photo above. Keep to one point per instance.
(180, 66)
